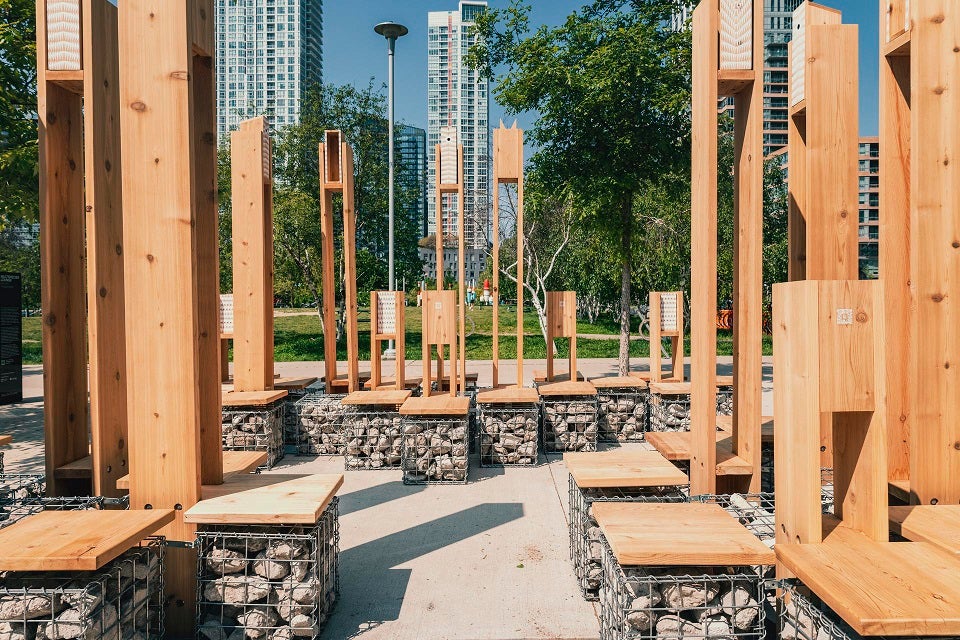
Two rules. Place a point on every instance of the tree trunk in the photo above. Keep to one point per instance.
(626, 240)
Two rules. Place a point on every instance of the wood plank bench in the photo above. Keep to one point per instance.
(293, 384)
(252, 398)
(540, 376)
(937, 524)
(675, 446)
(266, 499)
(76, 540)
(900, 489)
(684, 534)
(436, 406)
(509, 395)
(619, 382)
(81, 469)
(387, 384)
(234, 462)
(623, 469)
(881, 588)
(563, 389)
(389, 397)
(766, 427)
(341, 384)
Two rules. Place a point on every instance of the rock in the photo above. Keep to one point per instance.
(270, 569)
(257, 622)
(211, 629)
(225, 561)
(320, 425)
(717, 627)
(438, 453)
(72, 624)
(374, 438)
(24, 607)
(669, 412)
(741, 607)
(237, 589)
(12, 631)
(689, 596)
(671, 626)
(571, 426)
(797, 624)
(302, 627)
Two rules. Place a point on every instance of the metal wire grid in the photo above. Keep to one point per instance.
(569, 424)
(255, 429)
(1, 463)
(291, 416)
(725, 400)
(803, 616)
(826, 490)
(680, 602)
(623, 415)
(755, 511)
(586, 549)
(275, 582)
(319, 424)
(120, 601)
(508, 435)
(15, 491)
(435, 450)
(669, 412)
(373, 437)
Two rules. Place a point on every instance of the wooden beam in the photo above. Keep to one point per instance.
(252, 193)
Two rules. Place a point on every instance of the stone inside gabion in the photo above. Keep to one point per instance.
(120, 601)
(264, 585)
(15, 492)
(508, 436)
(669, 413)
(373, 438)
(435, 450)
(570, 426)
(256, 429)
(725, 401)
(320, 425)
(623, 416)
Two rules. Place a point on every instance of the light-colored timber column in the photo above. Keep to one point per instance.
(336, 176)
(824, 154)
(60, 119)
(562, 323)
(895, 233)
(507, 169)
(935, 249)
(169, 191)
(449, 182)
(251, 165)
(104, 213)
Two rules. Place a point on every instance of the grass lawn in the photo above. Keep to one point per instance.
(298, 337)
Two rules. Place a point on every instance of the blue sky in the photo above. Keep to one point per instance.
(353, 53)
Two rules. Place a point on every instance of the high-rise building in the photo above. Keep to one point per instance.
(268, 53)
(869, 172)
(412, 170)
(777, 29)
(457, 96)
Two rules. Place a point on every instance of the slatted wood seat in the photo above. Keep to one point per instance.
(937, 524)
(389, 397)
(766, 427)
(509, 395)
(234, 462)
(387, 384)
(436, 406)
(561, 389)
(341, 384)
(293, 384)
(540, 376)
(252, 398)
(623, 468)
(81, 469)
(266, 499)
(670, 388)
(619, 382)
(676, 446)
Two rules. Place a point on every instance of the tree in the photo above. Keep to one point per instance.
(19, 187)
(612, 88)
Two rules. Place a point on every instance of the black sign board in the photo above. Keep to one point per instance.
(11, 344)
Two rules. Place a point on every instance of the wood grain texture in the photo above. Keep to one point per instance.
(509, 395)
(938, 525)
(614, 469)
(268, 499)
(441, 405)
(678, 535)
(882, 588)
(561, 323)
(293, 384)
(619, 382)
(252, 398)
(558, 389)
(391, 397)
(81, 469)
(76, 540)
(440, 332)
(234, 462)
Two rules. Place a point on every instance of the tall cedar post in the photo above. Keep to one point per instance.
(449, 182)
(562, 323)
(387, 322)
(728, 48)
(336, 176)
(824, 154)
(251, 165)
(507, 169)
(170, 260)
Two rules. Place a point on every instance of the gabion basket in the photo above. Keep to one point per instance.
(623, 414)
(255, 429)
(725, 400)
(435, 450)
(586, 548)
(669, 412)
(803, 616)
(16, 491)
(267, 582)
(508, 435)
(680, 602)
(122, 600)
(291, 414)
(569, 424)
(319, 425)
(373, 437)
(755, 511)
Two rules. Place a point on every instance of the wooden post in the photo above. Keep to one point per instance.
(824, 153)
(336, 176)
(439, 330)
(665, 316)
(387, 322)
(562, 323)
(728, 50)
(508, 169)
(169, 189)
(449, 181)
(252, 171)
(829, 356)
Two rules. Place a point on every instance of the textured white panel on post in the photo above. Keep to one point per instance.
(63, 35)
(798, 56)
(386, 312)
(668, 312)
(226, 313)
(736, 34)
(266, 158)
(448, 156)
(906, 15)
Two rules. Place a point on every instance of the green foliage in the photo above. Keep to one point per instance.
(18, 106)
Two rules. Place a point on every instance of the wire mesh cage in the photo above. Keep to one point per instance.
(622, 414)
(680, 602)
(291, 413)
(267, 582)
(669, 412)
(826, 490)
(1, 463)
(15, 491)
(373, 437)
(508, 434)
(33, 505)
(755, 511)
(122, 600)
(569, 424)
(766, 468)
(725, 400)
(255, 429)
(586, 548)
(435, 450)
(803, 616)
(319, 425)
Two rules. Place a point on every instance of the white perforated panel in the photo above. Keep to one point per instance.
(798, 56)
(63, 35)
(266, 157)
(448, 156)
(668, 311)
(736, 34)
(226, 313)
(386, 312)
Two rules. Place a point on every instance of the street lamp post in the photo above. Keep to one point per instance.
(391, 31)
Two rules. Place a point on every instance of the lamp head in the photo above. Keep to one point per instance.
(391, 30)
